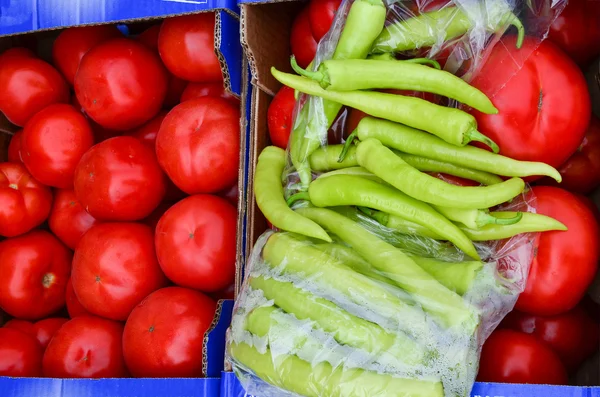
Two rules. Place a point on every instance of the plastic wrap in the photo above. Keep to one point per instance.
(380, 311)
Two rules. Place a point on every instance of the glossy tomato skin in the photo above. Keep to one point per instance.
(68, 219)
(121, 84)
(576, 30)
(321, 14)
(187, 47)
(216, 89)
(34, 269)
(46, 329)
(198, 145)
(24, 202)
(74, 307)
(17, 52)
(169, 320)
(20, 354)
(581, 172)
(302, 42)
(14, 148)
(73, 43)
(53, 142)
(147, 132)
(114, 268)
(21, 325)
(27, 85)
(572, 335)
(544, 108)
(86, 347)
(515, 357)
(565, 262)
(119, 180)
(196, 243)
(280, 117)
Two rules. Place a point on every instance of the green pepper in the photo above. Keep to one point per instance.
(400, 268)
(301, 377)
(474, 218)
(456, 276)
(343, 190)
(270, 200)
(365, 74)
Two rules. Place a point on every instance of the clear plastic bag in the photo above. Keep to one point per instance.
(381, 311)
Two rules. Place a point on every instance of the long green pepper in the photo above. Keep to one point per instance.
(364, 23)
(452, 125)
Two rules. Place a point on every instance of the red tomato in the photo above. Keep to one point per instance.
(68, 219)
(226, 293)
(14, 148)
(121, 84)
(565, 261)
(34, 269)
(187, 47)
(572, 335)
(280, 117)
(544, 107)
(149, 37)
(86, 347)
(16, 52)
(196, 243)
(20, 354)
(581, 172)
(74, 307)
(154, 217)
(231, 194)
(53, 142)
(591, 205)
(576, 30)
(24, 202)
(114, 268)
(198, 90)
(514, 357)
(164, 334)
(147, 132)
(119, 180)
(47, 328)
(27, 85)
(73, 43)
(21, 325)
(321, 15)
(302, 42)
(175, 89)
(198, 145)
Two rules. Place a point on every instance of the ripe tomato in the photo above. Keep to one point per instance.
(53, 142)
(47, 328)
(16, 52)
(21, 325)
(121, 84)
(68, 219)
(514, 357)
(114, 268)
(20, 354)
(565, 261)
(581, 172)
(198, 145)
(164, 334)
(149, 37)
(175, 88)
(73, 43)
(24, 202)
(280, 117)
(302, 42)
(34, 269)
(187, 47)
(197, 90)
(572, 335)
(14, 148)
(74, 307)
(119, 180)
(86, 347)
(321, 14)
(591, 205)
(196, 243)
(147, 132)
(576, 30)
(542, 98)
(27, 85)
(154, 217)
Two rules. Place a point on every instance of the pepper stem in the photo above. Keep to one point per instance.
(346, 147)
(424, 61)
(487, 219)
(317, 76)
(516, 22)
(477, 136)
(297, 197)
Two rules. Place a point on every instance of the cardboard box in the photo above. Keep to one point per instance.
(39, 22)
(265, 40)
